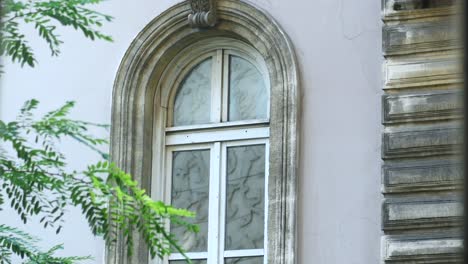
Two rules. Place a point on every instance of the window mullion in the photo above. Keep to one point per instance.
(168, 187)
(222, 204)
(216, 87)
(225, 85)
(213, 211)
(267, 204)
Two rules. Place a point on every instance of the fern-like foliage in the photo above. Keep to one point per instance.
(45, 16)
(36, 182)
(15, 241)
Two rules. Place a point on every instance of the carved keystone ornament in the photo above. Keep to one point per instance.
(203, 13)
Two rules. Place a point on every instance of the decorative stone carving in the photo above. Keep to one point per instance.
(422, 175)
(405, 214)
(441, 250)
(411, 9)
(422, 107)
(423, 71)
(429, 176)
(421, 37)
(421, 143)
(203, 13)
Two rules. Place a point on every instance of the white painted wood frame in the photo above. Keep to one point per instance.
(216, 136)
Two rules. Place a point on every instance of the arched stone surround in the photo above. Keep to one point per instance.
(136, 120)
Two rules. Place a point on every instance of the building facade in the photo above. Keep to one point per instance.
(337, 121)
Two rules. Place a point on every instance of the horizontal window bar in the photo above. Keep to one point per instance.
(191, 255)
(264, 122)
(244, 253)
(195, 137)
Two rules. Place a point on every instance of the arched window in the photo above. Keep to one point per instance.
(217, 145)
(207, 119)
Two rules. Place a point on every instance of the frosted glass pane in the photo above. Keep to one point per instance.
(200, 261)
(249, 260)
(193, 100)
(248, 94)
(245, 192)
(190, 187)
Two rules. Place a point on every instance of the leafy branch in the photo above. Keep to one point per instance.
(15, 241)
(36, 183)
(45, 15)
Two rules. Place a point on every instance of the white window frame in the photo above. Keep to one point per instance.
(216, 136)
(217, 194)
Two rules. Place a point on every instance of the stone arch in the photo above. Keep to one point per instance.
(136, 119)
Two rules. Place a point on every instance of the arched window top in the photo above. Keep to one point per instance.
(217, 81)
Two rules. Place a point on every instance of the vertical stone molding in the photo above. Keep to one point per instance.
(422, 135)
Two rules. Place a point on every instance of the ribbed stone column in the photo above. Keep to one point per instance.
(422, 171)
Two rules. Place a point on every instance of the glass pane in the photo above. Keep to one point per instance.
(198, 261)
(249, 260)
(190, 187)
(245, 192)
(248, 94)
(193, 100)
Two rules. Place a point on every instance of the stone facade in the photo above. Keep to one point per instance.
(421, 143)
(334, 99)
